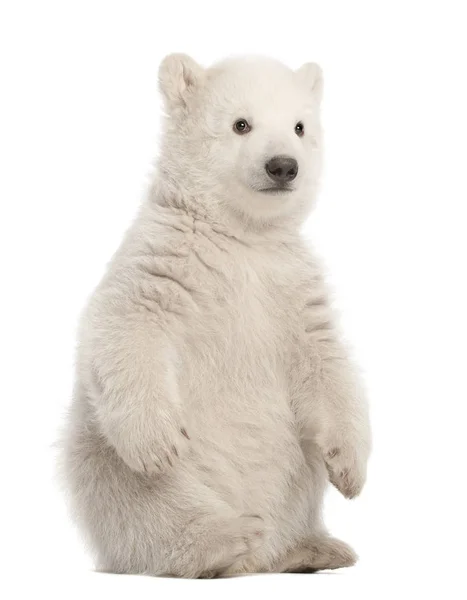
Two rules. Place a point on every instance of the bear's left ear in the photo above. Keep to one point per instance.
(179, 76)
(312, 77)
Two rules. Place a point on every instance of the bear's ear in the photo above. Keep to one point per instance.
(311, 76)
(179, 76)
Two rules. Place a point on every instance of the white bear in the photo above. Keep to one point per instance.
(213, 397)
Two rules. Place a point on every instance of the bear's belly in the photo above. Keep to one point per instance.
(245, 443)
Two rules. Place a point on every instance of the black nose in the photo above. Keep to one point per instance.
(282, 169)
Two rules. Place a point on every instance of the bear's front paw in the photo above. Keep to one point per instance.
(346, 467)
(154, 453)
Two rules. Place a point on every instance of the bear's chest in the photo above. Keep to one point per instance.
(242, 307)
(242, 335)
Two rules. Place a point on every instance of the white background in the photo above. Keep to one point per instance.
(78, 133)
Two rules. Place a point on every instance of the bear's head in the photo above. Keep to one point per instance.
(242, 137)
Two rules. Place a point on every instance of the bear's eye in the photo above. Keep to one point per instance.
(241, 126)
(299, 129)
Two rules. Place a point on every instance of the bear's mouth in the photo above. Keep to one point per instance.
(275, 190)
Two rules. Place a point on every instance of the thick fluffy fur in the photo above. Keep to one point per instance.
(213, 397)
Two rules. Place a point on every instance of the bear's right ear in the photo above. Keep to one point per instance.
(179, 76)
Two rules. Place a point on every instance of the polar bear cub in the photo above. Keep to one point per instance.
(213, 398)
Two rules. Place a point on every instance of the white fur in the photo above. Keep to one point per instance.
(213, 395)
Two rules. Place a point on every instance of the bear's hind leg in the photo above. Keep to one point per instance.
(318, 553)
(207, 547)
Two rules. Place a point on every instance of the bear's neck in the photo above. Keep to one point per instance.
(212, 212)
